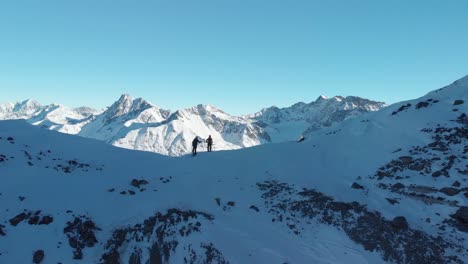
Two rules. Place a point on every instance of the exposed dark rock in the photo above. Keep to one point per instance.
(160, 231)
(461, 218)
(81, 234)
(392, 201)
(456, 184)
(357, 186)
(34, 220)
(231, 203)
(402, 108)
(393, 239)
(450, 191)
(458, 102)
(19, 218)
(398, 186)
(138, 183)
(400, 222)
(38, 256)
(253, 207)
(46, 220)
(218, 201)
(421, 105)
(213, 255)
(2, 233)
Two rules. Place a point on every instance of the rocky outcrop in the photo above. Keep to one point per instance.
(393, 239)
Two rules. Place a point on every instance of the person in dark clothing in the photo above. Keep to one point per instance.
(195, 144)
(209, 141)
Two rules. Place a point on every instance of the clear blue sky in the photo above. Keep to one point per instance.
(240, 55)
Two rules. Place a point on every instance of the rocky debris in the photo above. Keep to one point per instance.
(421, 105)
(27, 155)
(357, 186)
(71, 166)
(398, 186)
(255, 208)
(21, 198)
(461, 219)
(165, 179)
(46, 220)
(2, 233)
(10, 139)
(393, 239)
(81, 234)
(450, 191)
(228, 206)
(19, 218)
(458, 102)
(111, 190)
(3, 158)
(38, 256)
(400, 222)
(402, 108)
(138, 183)
(462, 119)
(402, 164)
(157, 235)
(392, 201)
(33, 219)
(213, 255)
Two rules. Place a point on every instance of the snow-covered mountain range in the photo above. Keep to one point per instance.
(136, 124)
(385, 187)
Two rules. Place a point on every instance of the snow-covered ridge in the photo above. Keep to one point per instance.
(135, 123)
(385, 187)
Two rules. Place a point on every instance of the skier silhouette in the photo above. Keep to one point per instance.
(194, 145)
(209, 140)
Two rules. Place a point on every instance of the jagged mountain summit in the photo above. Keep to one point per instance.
(137, 124)
(385, 187)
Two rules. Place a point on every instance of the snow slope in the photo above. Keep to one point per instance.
(388, 186)
(134, 123)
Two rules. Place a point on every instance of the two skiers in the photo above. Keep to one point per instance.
(195, 141)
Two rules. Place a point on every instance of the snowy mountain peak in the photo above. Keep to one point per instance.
(321, 98)
(125, 105)
(27, 106)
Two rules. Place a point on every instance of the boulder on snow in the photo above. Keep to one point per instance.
(400, 223)
(461, 218)
(406, 160)
(357, 186)
(450, 191)
(398, 186)
(458, 102)
(38, 256)
(137, 183)
(19, 218)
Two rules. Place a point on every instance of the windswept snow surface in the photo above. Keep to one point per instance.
(367, 190)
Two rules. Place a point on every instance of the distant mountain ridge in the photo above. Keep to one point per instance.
(134, 123)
